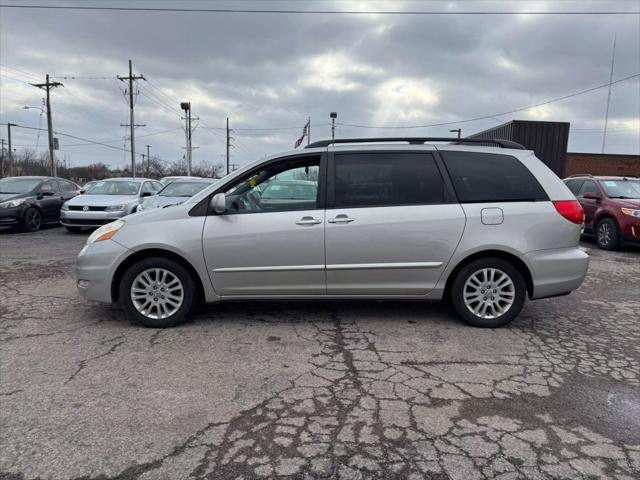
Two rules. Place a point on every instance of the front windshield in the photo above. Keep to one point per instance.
(182, 189)
(290, 191)
(114, 187)
(621, 188)
(18, 185)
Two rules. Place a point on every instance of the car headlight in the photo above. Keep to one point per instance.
(116, 208)
(64, 206)
(631, 212)
(105, 232)
(13, 203)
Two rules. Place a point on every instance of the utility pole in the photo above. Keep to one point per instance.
(47, 86)
(9, 143)
(309, 131)
(132, 124)
(186, 106)
(148, 158)
(2, 142)
(228, 144)
(606, 115)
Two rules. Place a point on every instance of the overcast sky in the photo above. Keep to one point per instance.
(272, 71)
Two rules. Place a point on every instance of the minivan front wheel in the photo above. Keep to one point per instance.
(157, 292)
(489, 292)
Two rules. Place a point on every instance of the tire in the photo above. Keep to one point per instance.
(607, 236)
(149, 308)
(471, 278)
(73, 229)
(32, 220)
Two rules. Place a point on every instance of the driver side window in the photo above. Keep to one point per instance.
(280, 187)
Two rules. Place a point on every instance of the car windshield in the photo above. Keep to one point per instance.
(290, 191)
(621, 188)
(18, 185)
(114, 187)
(182, 189)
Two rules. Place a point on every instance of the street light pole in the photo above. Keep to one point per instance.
(459, 130)
(333, 116)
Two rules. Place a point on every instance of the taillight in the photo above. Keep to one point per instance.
(571, 210)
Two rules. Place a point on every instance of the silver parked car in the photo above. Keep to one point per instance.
(106, 201)
(485, 227)
(174, 193)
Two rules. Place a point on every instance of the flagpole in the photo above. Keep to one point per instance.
(309, 132)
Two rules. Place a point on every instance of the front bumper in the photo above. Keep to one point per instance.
(76, 218)
(13, 216)
(95, 267)
(630, 229)
(557, 271)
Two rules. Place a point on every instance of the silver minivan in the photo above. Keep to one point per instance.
(410, 218)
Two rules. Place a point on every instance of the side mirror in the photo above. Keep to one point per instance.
(82, 192)
(146, 194)
(591, 195)
(218, 203)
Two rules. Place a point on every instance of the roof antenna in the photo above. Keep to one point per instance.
(606, 115)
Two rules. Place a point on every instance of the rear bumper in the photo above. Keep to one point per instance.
(558, 271)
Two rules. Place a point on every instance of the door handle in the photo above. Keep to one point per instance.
(308, 221)
(342, 218)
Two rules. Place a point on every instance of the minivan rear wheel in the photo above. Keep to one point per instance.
(488, 292)
(158, 292)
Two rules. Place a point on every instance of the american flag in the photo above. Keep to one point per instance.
(305, 132)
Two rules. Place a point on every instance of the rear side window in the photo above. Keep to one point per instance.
(386, 179)
(588, 186)
(574, 186)
(487, 177)
(68, 186)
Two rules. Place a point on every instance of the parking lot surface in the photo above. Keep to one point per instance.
(314, 390)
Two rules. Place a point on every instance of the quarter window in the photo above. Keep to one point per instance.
(49, 186)
(574, 186)
(280, 187)
(386, 179)
(487, 177)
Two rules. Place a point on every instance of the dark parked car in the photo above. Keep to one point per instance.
(30, 202)
(611, 208)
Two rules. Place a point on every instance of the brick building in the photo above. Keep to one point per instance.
(602, 164)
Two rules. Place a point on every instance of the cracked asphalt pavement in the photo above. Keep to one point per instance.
(306, 390)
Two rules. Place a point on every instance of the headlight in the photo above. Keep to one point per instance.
(116, 208)
(13, 203)
(64, 206)
(105, 232)
(631, 212)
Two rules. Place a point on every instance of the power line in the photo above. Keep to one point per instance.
(316, 12)
(93, 142)
(485, 117)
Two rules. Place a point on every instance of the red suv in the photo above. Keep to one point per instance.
(611, 208)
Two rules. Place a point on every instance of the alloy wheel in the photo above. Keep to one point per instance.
(157, 293)
(34, 219)
(604, 233)
(489, 293)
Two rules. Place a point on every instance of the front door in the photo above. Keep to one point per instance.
(270, 240)
(589, 205)
(50, 200)
(389, 230)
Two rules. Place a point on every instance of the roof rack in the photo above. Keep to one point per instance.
(419, 141)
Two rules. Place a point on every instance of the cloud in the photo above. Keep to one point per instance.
(266, 71)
